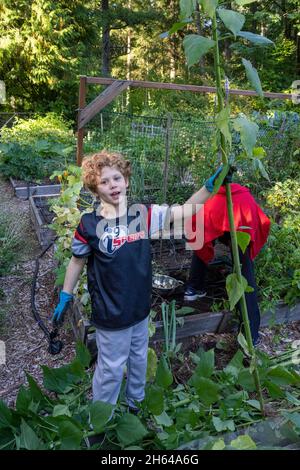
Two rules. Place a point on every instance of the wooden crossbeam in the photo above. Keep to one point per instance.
(114, 89)
(179, 87)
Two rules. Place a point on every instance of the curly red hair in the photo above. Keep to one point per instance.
(92, 166)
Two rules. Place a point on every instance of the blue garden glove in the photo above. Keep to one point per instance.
(209, 184)
(62, 307)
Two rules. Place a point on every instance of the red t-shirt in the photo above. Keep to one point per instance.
(247, 213)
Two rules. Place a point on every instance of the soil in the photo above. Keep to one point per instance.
(26, 346)
(25, 343)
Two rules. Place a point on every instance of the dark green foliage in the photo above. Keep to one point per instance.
(32, 149)
(213, 402)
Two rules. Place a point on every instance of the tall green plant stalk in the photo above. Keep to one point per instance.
(233, 236)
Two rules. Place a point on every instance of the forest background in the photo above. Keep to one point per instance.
(46, 45)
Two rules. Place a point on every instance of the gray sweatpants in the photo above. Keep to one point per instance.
(115, 350)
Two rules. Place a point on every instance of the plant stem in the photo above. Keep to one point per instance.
(233, 236)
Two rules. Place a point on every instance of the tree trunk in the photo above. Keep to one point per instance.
(105, 39)
(198, 25)
(173, 61)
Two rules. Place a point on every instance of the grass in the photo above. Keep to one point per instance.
(11, 239)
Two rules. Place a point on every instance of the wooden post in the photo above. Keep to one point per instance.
(167, 156)
(80, 131)
(166, 165)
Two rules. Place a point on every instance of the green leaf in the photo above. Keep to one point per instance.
(59, 410)
(233, 20)
(70, 435)
(164, 376)
(207, 390)
(244, 2)
(255, 38)
(5, 415)
(219, 180)
(243, 443)
(218, 445)
(235, 365)
(187, 8)
(253, 77)
(274, 390)
(83, 354)
(195, 47)
(185, 311)
(36, 392)
(63, 378)
(281, 376)
(175, 27)
(235, 400)
(243, 343)
(221, 425)
(24, 399)
(209, 6)
(163, 419)
(243, 239)
(130, 429)
(259, 166)
(294, 418)
(254, 403)
(246, 381)
(222, 123)
(234, 289)
(151, 364)
(206, 364)
(185, 416)
(259, 152)
(154, 399)
(100, 413)
(28, 439)
(248, 131)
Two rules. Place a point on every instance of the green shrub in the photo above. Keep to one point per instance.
(284, 197)
(11, 238)
(277, 266)
(34, 148)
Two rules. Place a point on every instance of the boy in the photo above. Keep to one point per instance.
(114, 241)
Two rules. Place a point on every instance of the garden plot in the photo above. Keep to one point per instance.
(41, 216)
(24, 190)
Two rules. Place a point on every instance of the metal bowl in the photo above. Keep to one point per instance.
(165, 285)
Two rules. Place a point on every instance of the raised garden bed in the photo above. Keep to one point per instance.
(41, 217)
(195, 324)
(24, 190)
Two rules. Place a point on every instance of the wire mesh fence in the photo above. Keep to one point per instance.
(169, 157)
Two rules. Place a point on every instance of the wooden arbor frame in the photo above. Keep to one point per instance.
(115, 87)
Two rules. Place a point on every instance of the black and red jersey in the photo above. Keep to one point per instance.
(119, 263)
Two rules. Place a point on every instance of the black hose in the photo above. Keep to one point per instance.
(55, 346)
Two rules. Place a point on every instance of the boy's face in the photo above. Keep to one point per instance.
(112, 185)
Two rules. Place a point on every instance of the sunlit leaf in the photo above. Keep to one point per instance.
(209, 6)
(187, 7)
(248, 131)
(253, 77)
(195, 47)
(243, 239)
(222, 122)
(233, 20)
(255, 38)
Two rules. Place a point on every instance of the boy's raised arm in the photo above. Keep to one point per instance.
(189, 208)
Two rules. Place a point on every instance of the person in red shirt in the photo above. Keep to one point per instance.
(248, 217)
